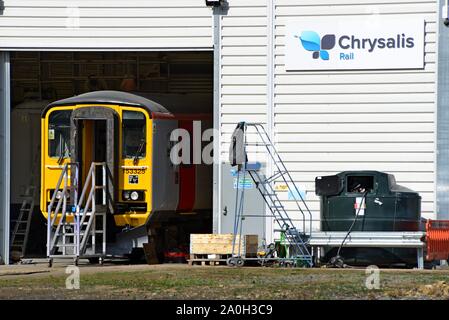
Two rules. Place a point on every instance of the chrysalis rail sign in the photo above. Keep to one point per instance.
(336, 43)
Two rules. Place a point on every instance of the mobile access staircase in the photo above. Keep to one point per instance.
(300, 253)
(74, 223)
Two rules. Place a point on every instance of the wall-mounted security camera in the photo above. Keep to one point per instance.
(215, 3)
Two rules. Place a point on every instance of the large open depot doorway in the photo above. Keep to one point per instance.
(180, 81)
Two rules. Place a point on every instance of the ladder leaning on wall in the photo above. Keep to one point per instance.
(21, 230)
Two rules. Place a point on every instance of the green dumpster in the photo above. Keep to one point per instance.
(380, 205)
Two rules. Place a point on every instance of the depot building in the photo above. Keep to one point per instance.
(338, 84)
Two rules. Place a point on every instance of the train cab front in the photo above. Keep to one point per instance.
(107, 153)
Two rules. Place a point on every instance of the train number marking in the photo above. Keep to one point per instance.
(134, 171)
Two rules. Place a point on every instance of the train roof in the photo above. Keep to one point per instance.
(109, 97)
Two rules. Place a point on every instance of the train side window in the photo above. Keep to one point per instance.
(59, 134)
(134, 135)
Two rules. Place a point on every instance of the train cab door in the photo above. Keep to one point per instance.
(95, 139)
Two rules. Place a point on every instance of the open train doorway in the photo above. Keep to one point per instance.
(100, 145)
(180, 81)
(91, 143)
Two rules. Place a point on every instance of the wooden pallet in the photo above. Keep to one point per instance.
(222, 244)
(205, 260)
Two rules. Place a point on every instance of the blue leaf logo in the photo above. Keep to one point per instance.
(311, 41)
(324, 55)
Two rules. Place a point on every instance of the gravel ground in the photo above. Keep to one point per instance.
(172, 281)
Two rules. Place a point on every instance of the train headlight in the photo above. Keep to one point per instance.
(59, 195)
(134, 195)
(126, 195)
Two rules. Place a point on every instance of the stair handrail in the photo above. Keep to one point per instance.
(299, 243)
(90, 184)
(63, 177)
(78, 204)
(287, 218)
(288, 183)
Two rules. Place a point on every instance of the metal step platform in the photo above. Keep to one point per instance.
(387, 239)
(297, 239)
(73, 229)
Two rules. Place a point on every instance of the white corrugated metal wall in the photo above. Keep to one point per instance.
(325, 122)
(243, 64)
(115, 24)
(147, 25)
(242, 73)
